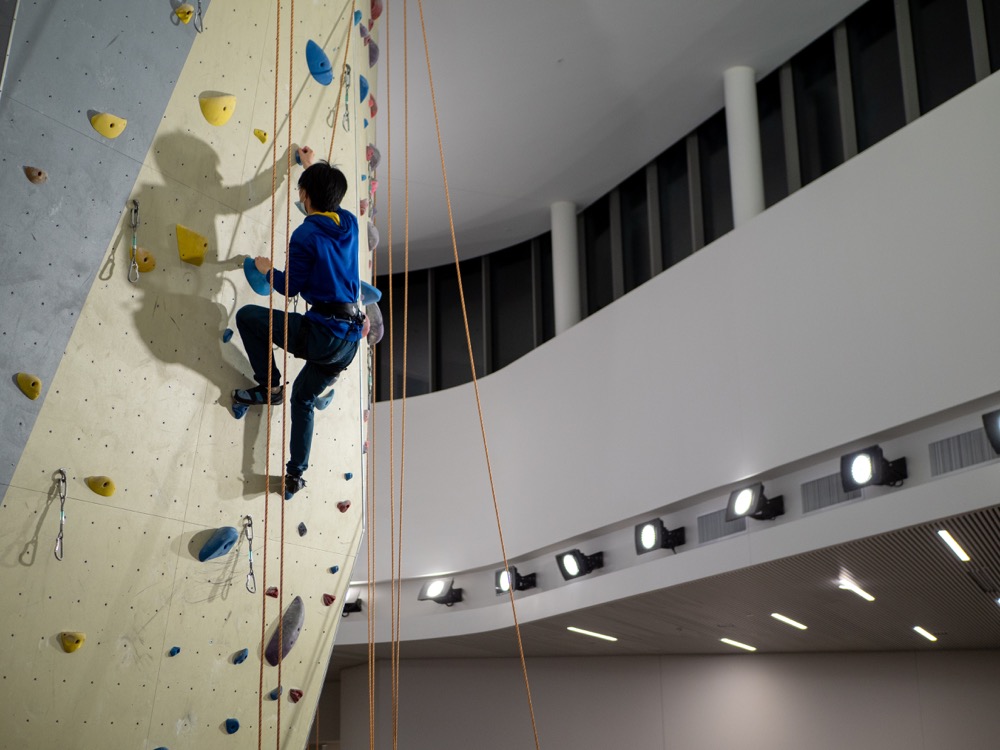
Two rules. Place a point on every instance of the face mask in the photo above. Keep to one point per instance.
(301, 206)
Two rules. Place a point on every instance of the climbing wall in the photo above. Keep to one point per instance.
(135, 379)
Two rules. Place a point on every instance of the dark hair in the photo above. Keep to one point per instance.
(325, 186)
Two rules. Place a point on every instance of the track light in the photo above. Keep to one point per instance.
(750, 501)
(991, 421)
(352, 601)
(654, 535)
(440, 590)
(502, 581)
(574, 563)
(868, 467)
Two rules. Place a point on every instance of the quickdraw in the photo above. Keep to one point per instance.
(199, 22)
(347, 98)
(133, 269)
(248, 530)
(61, 478)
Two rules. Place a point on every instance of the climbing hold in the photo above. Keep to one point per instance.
(343, 505)
(348, 476)
(295, 695)
(373, 52)
(240, 410)
(261, 135)
(36, 175)
(372, 106)
(364, 177)
(184, 12)
(372, 236)
(174, 651)
(257, 281)
(334, 568)
(328, 599)
(374, 186)
(275, 694)
(363, 30)
(216, 107)
(101, 485)
(376, 327)
(324, 401)
(357, 17)
(362, 88)
(302, 529)
(363, 206)
(376, 9)
(366, 122)
(373, 156)
(145, 260)
(272, 591)
(291, 626)
(227, 335)
(232, 726)
(219, 543)
(365, 414)
(191, 246)
(364, 448)
(30, 385)
(369, 293)
(318, 63)
(241, 656)
(71, 641)
(110, 126)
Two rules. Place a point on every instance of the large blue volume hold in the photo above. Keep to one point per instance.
(319, 63)
(369, 293)
(219, 543)
(258, 281)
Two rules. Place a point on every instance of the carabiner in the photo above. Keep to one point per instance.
(133, 269)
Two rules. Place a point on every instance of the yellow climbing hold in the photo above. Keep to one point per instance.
(71, 641)
(104, 486)
(261, 135)
(184, 12)
(30, 385)
(145, 260)
(110, 126)
(191, 246)
(216, 107)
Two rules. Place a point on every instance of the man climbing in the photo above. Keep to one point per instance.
(323, 268)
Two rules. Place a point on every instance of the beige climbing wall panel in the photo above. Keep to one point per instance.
(142, 396)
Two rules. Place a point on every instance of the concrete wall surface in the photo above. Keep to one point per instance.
(136, 377)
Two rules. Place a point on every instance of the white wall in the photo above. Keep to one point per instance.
(891, 701)
(862, 302)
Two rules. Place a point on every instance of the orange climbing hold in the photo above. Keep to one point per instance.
(145, 260)
(30, 385)
(191, 246)
(36, 175)
(104, 486)
(71, 641)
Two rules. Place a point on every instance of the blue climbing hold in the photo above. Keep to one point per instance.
(357, 17)
(227, 335)
(275, 694)
(319, 63)
(241, 656)
(232, 726)
(240, 410)
(302, 529)
(324, 401)
(335, 569)
(364, 177)
(219, 543)
(369, 293)
(348, 476)
(257, 281)
(362, 88)
(175, 650)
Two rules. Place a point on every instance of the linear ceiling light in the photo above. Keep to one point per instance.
(654, 535)
(788, 621)
(574, 563)
(743, 646)
(960, 553)
(750, 501)
(867, 467)
(501, 580)
(849, 586)
(925, 634)
(592, 634)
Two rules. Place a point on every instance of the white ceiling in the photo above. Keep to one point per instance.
(557, 100)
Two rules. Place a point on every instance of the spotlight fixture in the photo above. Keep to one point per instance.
(574, 563)
(352, 601)
(750, 501)
(991, 421)
(502, 581)
(440, 590)
(869, 466)
(654, 535)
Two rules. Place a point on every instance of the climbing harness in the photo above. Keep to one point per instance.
(61, 478)
(347, 98)
(248, 530)
(199, 22)
(133, 269)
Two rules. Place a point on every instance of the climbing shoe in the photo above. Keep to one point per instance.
(258, 396)
(293, 483)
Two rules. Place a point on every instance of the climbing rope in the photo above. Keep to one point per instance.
(133, 269)
(61, 480)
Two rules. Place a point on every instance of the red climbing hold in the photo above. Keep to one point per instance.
(328, 599)
(343, 505)
(272, 591)
(373, 106)
(363, 206)
(295, 694)
(376, 10)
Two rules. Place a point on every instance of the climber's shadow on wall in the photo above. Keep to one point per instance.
(184, 309)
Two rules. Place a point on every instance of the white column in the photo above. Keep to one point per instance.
(565, 265)
(746, 172)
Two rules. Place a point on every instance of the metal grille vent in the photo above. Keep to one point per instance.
(715, 526)
(824, 492)
(968, 449)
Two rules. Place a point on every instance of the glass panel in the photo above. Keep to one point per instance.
(942, 45)
(597, 247)
(875, 76)
(382, 349)
(817, 114)
(991, 8)
(772, 139)
(716, 193)
(511, 304)
(418, 365)
(452, 352)
(546, 288)
(635, 231)
(675, 205)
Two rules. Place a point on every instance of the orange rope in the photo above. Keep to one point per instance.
(340, 91)
(472, 364)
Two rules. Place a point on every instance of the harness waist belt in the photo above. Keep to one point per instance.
(339, 310)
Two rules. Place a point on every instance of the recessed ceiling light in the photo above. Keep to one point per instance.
(743, 646)
(848, 586)
(960, 553)
(925, 634)
(592, 634)
(788, 621)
